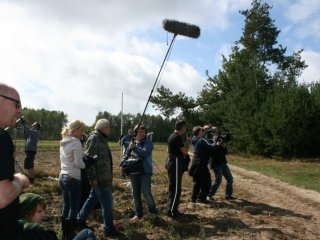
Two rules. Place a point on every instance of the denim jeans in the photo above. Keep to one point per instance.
(219, 171)
(85, 234)
(103, 194)
(142, 183)
(71, 193)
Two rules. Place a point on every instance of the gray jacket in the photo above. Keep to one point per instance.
(101, 170)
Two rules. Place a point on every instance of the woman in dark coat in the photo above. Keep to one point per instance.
(199, 168)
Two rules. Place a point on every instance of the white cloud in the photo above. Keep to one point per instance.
(78, 56)
(302, 10)
(312, 72)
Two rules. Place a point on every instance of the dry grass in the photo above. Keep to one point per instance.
(245, 218)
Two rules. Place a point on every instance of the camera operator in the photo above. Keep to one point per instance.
(220, 168)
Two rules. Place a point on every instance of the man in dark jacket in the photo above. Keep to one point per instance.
(220, 168)
(100, 176)
(199, 168)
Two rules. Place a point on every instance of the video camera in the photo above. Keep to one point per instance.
(212, 134)
(226, 137)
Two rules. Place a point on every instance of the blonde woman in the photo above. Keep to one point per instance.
(71, 158)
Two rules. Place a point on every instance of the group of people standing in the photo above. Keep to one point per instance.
(209, 153)
(95, 157)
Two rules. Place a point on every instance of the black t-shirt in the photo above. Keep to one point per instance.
(219, 155)
(10, 213)
(175, 142)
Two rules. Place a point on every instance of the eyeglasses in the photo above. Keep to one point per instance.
(17, 102)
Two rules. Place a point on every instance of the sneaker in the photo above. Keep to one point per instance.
(111, 233)
(230, 197)
(135, 219)
(203, 201)
(175, 214)
(209, 198)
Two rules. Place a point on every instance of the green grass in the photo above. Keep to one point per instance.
(299, 173)
(45, 145)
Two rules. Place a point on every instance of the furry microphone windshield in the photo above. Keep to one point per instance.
(181, 28)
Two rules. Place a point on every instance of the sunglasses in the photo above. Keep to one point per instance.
(17, 102)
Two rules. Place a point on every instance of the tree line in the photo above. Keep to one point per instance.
(52, 123)
(255, 97)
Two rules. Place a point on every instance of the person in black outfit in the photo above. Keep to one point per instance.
(176, 166)
(199, 168)
(11, 184)
(220, 168)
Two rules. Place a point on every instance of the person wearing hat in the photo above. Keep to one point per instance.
(32, 136)
(32, 211)
(32, 208)
(141, 183)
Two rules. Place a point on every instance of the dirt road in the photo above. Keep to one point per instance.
(272, 209)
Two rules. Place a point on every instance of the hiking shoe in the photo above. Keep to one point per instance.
(111, 232)
(230, 197)
(175, 214)
(135, 219)
(203, 201)
(210, 198)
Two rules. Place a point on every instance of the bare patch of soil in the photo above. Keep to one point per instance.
(265, 208)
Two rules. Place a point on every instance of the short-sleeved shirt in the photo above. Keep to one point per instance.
(175, 142)
(10, 213)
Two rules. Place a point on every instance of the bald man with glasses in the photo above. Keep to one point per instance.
(11, 183)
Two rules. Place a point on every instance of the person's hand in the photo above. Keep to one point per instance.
(89, 160)
(132, 145)
(22, 179)
(93, 183)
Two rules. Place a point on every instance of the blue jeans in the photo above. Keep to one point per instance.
(219, 171)
(103, 194)
(142, 183)
(71, 193)
(85, 234)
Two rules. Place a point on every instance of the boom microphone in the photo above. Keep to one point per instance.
(176, 28)
(181, 28)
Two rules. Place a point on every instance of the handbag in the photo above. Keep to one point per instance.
(132, 166)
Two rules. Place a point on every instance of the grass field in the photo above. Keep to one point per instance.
(218, 220)
(299, 173)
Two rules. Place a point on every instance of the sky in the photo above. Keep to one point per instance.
(83, 57)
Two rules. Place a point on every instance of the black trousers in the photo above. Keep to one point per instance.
(201, 183)
(175, 172)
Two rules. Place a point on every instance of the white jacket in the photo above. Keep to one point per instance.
(71, 157)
